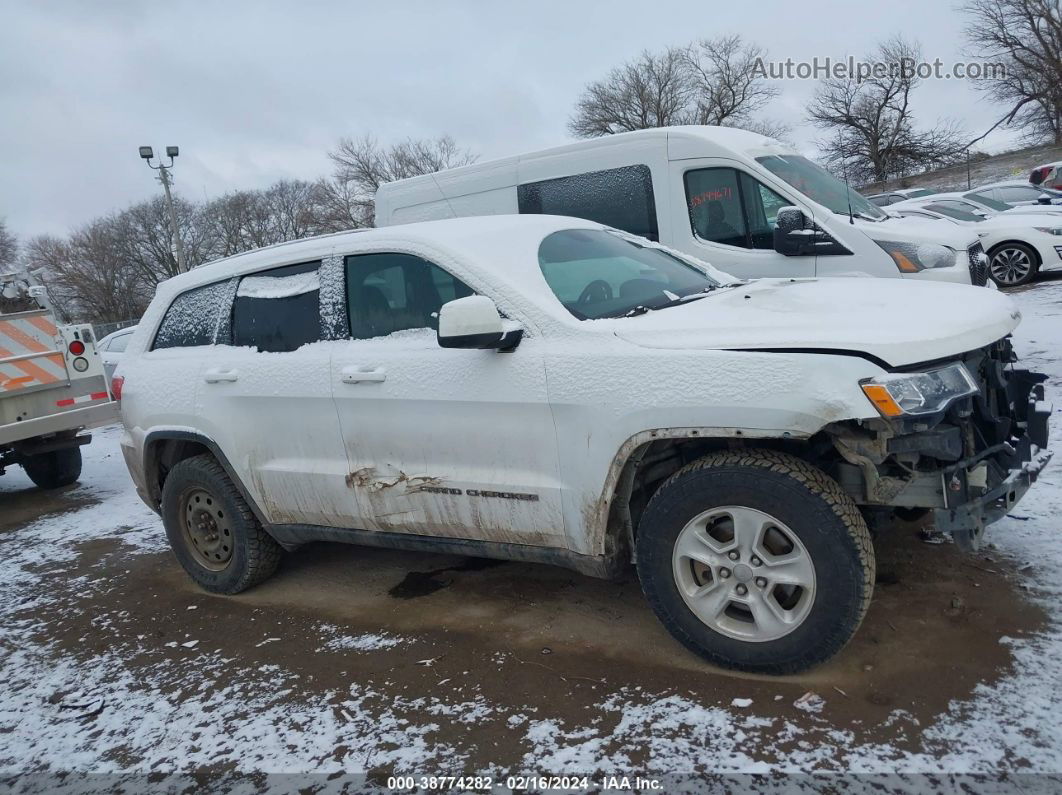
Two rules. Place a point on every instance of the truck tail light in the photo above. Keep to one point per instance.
(116, 386)
(77, 347)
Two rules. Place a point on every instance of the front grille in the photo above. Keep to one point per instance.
(978, 264)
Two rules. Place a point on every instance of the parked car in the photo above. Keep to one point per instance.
(982, 204)
(112, 347)
(885, 199)
(1018, 246)
(1047, 176)
(548, 389)
(712, 192)
(1015, 193)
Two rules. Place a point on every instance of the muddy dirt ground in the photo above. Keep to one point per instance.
(530, 639)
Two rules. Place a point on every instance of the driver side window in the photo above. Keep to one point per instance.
(394, 292)
(728, 206)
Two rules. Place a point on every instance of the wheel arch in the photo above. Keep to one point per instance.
(1003, 243)
(647, 459)
(164, 448)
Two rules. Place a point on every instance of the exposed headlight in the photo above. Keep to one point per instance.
(1047, 230)
(919, 393)
(915, 257)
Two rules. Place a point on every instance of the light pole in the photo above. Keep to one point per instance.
(164, 177)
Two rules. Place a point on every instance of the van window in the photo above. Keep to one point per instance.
(278, 310)
(820, 186)
(728, 206)
(192, 318)
(394, 292)
(619, 197)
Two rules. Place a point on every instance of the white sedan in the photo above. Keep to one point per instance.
(1018, 245)
(111, 349)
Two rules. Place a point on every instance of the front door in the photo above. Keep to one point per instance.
(440, 442)
(730, 221)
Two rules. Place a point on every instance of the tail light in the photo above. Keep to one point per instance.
(77, 347)
(116, 386)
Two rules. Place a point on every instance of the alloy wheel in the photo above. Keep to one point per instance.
(744, 574)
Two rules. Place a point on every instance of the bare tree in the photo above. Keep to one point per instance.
(1025, 37)
(653, 90)
(712, 81)
(362, 165)
(87, 277)
(728, 88)
(8, 246)
(871, 130)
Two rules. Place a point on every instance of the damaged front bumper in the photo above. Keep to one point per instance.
(970, 464)
(981, 489)
(966, 522)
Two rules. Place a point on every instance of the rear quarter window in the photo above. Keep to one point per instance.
(193, 317)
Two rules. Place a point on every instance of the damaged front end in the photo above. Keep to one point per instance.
(970, 462)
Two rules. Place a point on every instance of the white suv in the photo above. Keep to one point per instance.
(548, 389)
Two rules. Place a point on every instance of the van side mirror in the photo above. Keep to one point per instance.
(474, 322)
(796, 235)
(1044, 198)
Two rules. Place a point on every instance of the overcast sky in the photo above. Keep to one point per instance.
(257, 91)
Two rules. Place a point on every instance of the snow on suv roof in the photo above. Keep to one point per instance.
(489, 241)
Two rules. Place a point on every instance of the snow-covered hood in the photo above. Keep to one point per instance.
(895, 320)
(918, 231)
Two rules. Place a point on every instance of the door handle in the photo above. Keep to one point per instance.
(358, 374)
(216, 375)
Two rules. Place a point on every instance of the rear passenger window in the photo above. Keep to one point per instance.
(394, 292)
(619, 197)
(278, 310)
(192, 318)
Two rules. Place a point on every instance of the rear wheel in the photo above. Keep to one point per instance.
(55, 468)
(1012, 264)
(213, 532)
(756, 560)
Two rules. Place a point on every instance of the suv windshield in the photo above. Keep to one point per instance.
(820, 185)
(597, 273)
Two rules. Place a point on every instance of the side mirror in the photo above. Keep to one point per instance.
(796, 235)
(1044, 198)
(474, 322)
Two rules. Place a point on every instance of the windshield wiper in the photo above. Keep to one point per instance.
(641, 309)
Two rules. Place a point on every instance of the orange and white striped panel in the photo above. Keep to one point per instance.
(28, 353)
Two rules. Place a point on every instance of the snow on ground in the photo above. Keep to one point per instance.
(114, 716)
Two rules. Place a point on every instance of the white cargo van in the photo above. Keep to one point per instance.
(711, 192)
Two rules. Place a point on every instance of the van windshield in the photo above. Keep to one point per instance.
(820, 186)
(597, 273)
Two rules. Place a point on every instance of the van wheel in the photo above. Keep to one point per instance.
(756, 560)
(1012, 264)
(213, 532)
(55, 468)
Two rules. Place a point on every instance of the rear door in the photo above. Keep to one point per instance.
(265, 396)
(441, 442)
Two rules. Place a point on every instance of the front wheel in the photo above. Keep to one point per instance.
(756, 560)
(1012, 264)
(55, 468)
